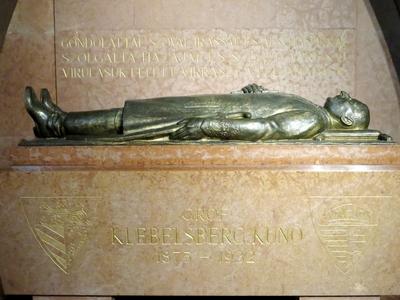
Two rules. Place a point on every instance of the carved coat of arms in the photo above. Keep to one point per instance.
(344, 229)
(60, 225)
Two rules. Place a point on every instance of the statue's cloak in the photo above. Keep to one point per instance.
(151, 118)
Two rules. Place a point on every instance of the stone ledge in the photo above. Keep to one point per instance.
(200, 156)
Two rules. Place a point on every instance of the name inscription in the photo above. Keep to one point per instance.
(184, 244)
(205, 235)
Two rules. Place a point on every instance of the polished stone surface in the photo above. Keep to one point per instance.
(85, 298)
(363, 66)
(341, 298)
(58, 205)
(223, 220)
(27, 58)
(316, 65)
(149, 63)
(198, 155)
(375, 79)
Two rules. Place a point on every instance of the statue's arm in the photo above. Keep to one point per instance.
(296, 124)
(220, 128)
(230, 129)
(287, 125)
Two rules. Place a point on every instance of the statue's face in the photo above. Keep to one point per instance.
(348, 113)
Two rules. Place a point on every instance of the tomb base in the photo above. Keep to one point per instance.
(298, 220)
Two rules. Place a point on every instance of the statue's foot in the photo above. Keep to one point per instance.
(49, 104)
(38, 113)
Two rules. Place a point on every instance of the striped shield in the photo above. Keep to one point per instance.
(345, 228)
(60, 225)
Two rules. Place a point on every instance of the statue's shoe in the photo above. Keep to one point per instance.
(49, 104)
(38, 113)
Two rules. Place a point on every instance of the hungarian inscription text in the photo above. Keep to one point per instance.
(270, 55)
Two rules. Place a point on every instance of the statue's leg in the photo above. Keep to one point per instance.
(51, 121)
(98, 122)
(95, 123)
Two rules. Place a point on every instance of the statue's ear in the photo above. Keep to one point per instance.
(346, 120)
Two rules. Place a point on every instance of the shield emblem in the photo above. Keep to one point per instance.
(60, 225)
(344, 229)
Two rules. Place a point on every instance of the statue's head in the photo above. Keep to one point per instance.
(347, 112)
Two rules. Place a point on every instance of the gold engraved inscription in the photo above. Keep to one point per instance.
(205, 236)
(270, 55)
(130, 236)
(60, 225)
(221, 256)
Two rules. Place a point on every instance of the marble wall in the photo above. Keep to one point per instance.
(311, 48)
(375, 79)
(27, 58)
(211, 46)
(276, 232)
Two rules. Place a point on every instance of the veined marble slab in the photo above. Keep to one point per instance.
(306, 226)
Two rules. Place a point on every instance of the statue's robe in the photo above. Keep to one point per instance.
(152, 118)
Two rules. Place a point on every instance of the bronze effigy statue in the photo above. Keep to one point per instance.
(251, 114)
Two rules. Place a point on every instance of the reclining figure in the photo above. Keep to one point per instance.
(251, 114)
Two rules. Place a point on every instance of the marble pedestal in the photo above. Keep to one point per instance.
(254, 219)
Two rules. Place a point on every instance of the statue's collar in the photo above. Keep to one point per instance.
(327, 118)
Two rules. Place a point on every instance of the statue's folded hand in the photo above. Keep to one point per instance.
(190, 130)
(253, 89)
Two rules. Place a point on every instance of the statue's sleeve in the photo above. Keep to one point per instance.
(297, 124)
(231, 129)
(286, 125)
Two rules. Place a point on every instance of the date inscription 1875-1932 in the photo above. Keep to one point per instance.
(250, 114)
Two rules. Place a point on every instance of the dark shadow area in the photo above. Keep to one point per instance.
(263, 297)
(387, 13)
(6, 11)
